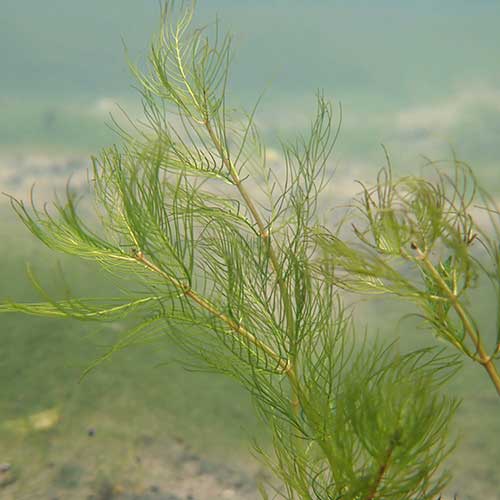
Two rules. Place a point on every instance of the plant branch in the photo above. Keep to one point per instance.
(484, 359)
(202, 302)
(380, 475)
(263, 229)
(264, 232)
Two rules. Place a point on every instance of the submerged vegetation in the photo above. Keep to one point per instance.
(249, 284)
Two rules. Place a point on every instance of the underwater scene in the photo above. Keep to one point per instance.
(411, 83)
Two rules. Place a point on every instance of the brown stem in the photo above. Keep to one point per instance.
(266, 237)
(202, 302)
(263, 230)
(484, 359)
(380, 474)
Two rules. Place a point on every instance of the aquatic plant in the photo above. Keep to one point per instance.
(226, 257)
(431, 241)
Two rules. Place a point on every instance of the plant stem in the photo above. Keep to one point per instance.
(484, 359)
(380, 475)
(266, 237)
(188, 292)
(263, 229)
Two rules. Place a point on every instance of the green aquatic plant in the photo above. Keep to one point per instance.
(223, 255)
(430, 240)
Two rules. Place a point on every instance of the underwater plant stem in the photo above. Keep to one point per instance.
(484, 359)
(202, 302)
(380, 475)
(263, 229)
(264, 233)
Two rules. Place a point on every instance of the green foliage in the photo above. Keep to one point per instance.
(380, 433)
(429, 240)
(249, 287)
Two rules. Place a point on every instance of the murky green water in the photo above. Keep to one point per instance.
(419, 77)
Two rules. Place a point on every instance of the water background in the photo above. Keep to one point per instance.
(422, 78)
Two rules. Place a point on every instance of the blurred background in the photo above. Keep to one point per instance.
(421, 78)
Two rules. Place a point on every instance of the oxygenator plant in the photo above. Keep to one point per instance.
(249, 282)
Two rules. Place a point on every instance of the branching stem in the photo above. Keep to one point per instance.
(380, 475)
(264, 233)
(283, 364)
(484, 359)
